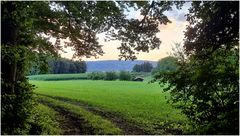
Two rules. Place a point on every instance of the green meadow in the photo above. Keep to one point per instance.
(142, 104)
(55, 77)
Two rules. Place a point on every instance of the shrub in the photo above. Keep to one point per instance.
(96, 76)
(124, 75)
(110, 76)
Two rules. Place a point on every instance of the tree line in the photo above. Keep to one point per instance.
(144, 67)
(122, 75)
(64, 66)
(165, 64)
(61, 66)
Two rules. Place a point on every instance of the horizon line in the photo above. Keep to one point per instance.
(120, 60)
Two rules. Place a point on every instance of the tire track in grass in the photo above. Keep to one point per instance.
(128, 128)
(89, 123)
(69, 123)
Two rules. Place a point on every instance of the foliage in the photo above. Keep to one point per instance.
(145, 67)
(96, 76)
(166, 64)
(99, 125)
(60, 66)
(207, 92)
(213, 25)
(124, 75)
(31, 24)
(206, 84)
(64, 66)
(61, 20)
(111, 76)
(140, 103)
(39, 64)
(15, 95)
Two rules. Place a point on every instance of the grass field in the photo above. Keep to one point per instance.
(56, 77)
(91, 121)
(139, 103)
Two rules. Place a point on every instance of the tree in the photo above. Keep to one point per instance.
(96, 76)
(27, 26)
(147, 67)
(124, 75)
(72, 68)
(205, 86)
(62, 65)
(137, 68)
(110, 76)
(166, 64)
(81, 66)
(144, 67)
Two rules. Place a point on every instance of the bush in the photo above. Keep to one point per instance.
(96, 76)
(124, 75)
(207, 91)
(111, 76)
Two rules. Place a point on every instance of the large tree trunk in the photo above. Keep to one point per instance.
(9, 67)
(9, 38)
(15, 101)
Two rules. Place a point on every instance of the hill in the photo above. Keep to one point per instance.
(114, 65)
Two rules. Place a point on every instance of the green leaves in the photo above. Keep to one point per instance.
(166, 64)
(205, 86)
(206, 90)
(213, 25)
(81, 21)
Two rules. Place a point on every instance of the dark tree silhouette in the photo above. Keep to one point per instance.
(206, 84)
(145, 67)
(26, 27)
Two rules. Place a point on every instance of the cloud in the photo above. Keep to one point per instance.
(181, 17)
(168, 27)
(179, 14)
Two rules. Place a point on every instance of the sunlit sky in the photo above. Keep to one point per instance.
(169, 34)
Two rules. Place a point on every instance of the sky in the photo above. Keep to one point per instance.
(169, 34)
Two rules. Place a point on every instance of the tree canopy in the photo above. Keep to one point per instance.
(79, 22)
(206, 84)
(28, 27)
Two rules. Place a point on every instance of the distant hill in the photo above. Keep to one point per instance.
(114, 65)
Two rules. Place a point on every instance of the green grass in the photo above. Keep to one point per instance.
(138, 102)
(97, 123)
(43, 121)
(55, 77)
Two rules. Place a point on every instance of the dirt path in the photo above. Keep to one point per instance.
(127, 128)
(69, 123)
